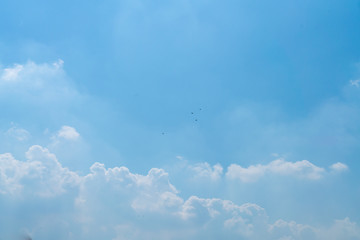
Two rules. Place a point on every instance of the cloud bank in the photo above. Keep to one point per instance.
(114, 203)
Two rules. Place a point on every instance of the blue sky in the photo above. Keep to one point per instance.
(180, 119)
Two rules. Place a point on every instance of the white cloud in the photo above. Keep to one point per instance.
(291, 230)
(11, 171)
(249, 174)
(339, 167)
(152, 192)
(68, 133)
(113, 203)
(43, 84)
(63, 137)
(355, 83)
(304, 169)
(204, 170)
(341, 229)
(301, 169)
(41, 174)
(58, 64)
(18, 133)
(11, 74)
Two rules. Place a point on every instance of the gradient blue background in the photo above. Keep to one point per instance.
(269, 77)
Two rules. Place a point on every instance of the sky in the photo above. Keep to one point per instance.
(180, 119)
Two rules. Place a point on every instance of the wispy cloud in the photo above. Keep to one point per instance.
(355, 83)
(18, 133)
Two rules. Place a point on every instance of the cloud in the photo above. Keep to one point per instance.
(30, 73)
(279, 167)
(303, 169)
(204, 170)
(152, 192)
(339, 167)
(327, 132)
(300, 169)
(11, 74)
(42, 84)
(223, 218)
(19, 134)
(41, 174)
(44, 93)
(291, 230)
(249, 174)
(114, 203)
(68, 133)
(341, 229)
(355, 83)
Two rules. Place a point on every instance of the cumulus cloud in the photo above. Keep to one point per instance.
(114, 203)
(224, 218)
(41, 174)
(301, 169)
(152, 192)
(125, 205)
(68, 133)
